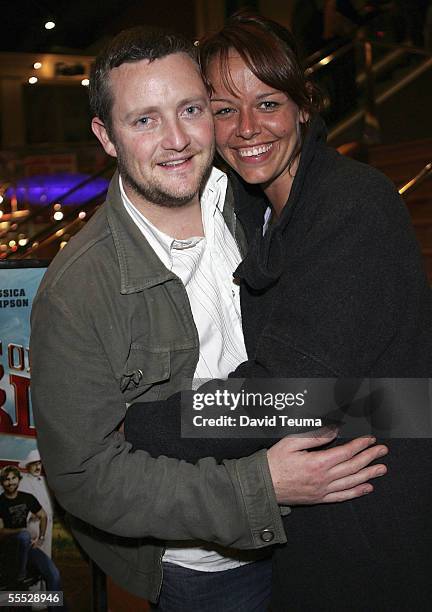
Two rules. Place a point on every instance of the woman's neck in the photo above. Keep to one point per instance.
(278, 190)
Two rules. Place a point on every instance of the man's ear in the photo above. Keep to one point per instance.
(99, 130)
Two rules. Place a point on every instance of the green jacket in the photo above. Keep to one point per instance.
(111, 324)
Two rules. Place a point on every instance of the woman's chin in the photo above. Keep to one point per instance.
(251, 175)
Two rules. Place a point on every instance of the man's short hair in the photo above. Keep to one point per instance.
(7, 470)
(130, 45)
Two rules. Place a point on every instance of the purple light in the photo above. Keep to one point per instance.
(45, 189)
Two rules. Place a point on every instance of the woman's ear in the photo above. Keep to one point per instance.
(303, 116)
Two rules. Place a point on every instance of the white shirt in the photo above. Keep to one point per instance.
(205, 265)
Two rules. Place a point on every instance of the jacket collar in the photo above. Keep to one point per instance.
(140, 267)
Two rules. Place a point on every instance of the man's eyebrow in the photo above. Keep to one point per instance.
(146, 110)
(192, 100)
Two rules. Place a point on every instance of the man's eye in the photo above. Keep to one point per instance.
(193, 110)
(143, 121)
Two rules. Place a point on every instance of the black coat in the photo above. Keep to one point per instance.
(338, 288)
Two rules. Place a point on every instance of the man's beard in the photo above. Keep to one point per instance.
(155, 192)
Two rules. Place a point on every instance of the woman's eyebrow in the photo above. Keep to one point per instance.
(268, 94)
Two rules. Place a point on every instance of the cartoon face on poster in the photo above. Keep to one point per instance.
(18, 287)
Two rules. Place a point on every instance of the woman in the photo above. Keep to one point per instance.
(332, 286)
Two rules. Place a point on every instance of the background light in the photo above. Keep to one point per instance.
(49, 25)
(32, 80)
(58, 216)
(85, 82)
(42, 189)
(37, 65)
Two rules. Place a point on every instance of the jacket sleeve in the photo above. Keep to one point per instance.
(78, 406)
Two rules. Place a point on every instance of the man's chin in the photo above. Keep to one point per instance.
(162, 195)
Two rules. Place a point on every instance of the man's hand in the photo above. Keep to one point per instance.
(332, 475)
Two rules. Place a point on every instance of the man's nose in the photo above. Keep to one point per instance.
(248, 125)
(176, 136)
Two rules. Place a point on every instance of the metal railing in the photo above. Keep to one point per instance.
(416, 181)
(366, 77)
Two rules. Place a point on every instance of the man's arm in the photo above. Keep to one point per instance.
(41, 515)
(298, 477)
(78, 407)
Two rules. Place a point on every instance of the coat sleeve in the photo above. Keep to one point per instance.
(78, 406)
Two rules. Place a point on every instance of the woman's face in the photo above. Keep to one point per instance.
(256, 129)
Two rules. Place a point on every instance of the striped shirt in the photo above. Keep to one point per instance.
(205, 265)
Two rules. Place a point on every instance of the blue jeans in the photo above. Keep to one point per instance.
(243, 589)
(39, 560)
(43, 565)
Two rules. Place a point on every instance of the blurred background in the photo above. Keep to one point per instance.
(372, 60)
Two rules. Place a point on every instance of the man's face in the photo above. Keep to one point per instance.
(35, 468)
(161, 129)
(10, 484)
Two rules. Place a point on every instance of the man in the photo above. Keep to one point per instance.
(140, 300)
(33, 482)
(15, 506)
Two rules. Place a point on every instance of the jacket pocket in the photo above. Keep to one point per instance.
(144, 368)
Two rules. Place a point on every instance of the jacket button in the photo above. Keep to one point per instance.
(267, 535)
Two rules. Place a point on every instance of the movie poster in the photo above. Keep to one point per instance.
(19, 282)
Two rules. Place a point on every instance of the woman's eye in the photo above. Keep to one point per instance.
(269, 105)
(221, 112)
